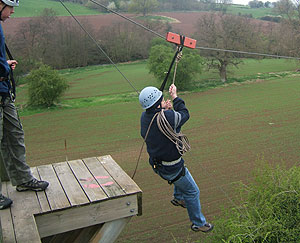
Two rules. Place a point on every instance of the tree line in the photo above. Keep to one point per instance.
(146, 6)
(62, 44)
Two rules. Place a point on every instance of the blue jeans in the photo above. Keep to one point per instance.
(186, 189)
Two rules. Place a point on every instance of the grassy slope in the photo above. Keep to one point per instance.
(32, 8)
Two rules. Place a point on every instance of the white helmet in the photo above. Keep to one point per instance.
(149, 96)
(12, 3)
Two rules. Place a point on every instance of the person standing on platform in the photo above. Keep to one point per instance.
(11, 130)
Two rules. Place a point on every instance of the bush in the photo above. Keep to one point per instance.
(270, 209)
(189, 66)
(46, 86)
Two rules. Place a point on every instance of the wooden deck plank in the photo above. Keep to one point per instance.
(70, 184)
(55, 194)
(87, 181)
(107, 182)
(44, 204)
(80, 217)
(127, 184)
(8, 233)
(24, 206)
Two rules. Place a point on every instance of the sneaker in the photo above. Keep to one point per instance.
(33, 185)
(205, 228)
(176, 202)
(5, 202)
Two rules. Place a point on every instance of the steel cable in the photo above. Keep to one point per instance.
(199, 47)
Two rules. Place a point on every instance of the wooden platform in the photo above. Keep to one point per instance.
(88, 200)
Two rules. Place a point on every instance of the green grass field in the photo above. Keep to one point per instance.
(256, 12)
(33, 8)
(229, 129)
(103, 84)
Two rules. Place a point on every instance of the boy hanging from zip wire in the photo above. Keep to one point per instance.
(11, 131)
(165, 154)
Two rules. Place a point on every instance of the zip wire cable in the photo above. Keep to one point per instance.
(91, 37)
(198, 47)
(249, 53)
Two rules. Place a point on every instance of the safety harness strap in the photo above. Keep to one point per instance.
(182, 173)
(11, 75)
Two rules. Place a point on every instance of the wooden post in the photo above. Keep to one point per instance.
(110, 231)
(3, 172)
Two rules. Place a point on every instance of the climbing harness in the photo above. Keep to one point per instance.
(12, 92)
(179, 139)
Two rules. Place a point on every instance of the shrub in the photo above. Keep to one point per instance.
(270, 209)
(46, 86)
(189, 66)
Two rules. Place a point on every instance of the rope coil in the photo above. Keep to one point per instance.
(179, 139)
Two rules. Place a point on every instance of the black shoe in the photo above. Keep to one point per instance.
(33, 185)
(5, 202)
(205, 228)
(176, 202)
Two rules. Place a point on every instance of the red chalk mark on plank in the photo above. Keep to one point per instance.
(92, 178)
(101, 177)
(107, 184)
(93, 186)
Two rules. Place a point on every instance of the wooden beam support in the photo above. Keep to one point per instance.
(110, 231)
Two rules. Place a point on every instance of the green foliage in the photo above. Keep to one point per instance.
(270, 211)
(46, 86)
(189, 66)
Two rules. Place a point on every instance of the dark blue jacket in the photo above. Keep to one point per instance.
(4, 67)
(159, 147)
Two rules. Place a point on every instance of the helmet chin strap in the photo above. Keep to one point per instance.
(2, 11)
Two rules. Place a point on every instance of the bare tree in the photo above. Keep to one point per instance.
(52, 41)
(289, 32)
(124, 41)
(226, 32)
